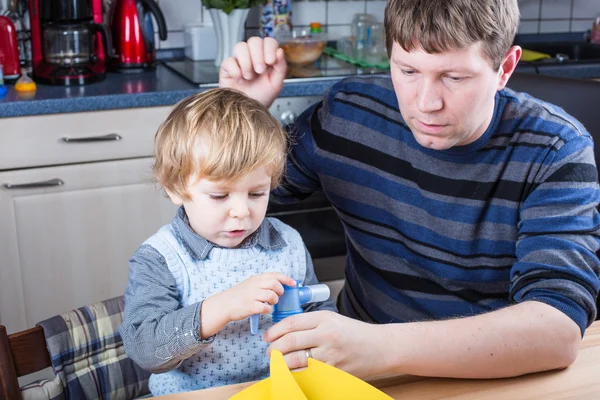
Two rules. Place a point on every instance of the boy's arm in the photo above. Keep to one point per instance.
(157, 333)
(311, 279)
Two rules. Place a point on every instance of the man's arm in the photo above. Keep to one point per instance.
(523, 338)
(520, 339)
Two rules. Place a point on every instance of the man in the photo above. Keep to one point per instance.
(469, 209)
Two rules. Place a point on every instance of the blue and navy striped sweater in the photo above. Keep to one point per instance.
(438, 234)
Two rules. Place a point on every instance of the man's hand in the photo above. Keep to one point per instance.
(337, 340)
(257, 68)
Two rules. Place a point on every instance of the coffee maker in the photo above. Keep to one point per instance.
(69, 42)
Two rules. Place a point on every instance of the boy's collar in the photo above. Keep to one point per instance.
(266, 236)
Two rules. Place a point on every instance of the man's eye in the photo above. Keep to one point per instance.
(408, 72)
(456, 78)
(218, 196)
(257, 194)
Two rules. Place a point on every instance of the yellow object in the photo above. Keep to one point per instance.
(317, 382)
(530, 55)
(25, 84)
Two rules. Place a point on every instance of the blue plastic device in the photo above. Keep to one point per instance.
(292, 300)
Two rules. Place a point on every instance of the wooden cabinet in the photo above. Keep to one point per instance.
(67, 231)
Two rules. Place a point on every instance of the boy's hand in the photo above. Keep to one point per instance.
(255, 295)
(257, 68)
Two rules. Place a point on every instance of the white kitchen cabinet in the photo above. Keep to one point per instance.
(67, 245)
(73, 213)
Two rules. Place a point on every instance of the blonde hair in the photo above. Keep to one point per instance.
(442, 25)
(221, 135)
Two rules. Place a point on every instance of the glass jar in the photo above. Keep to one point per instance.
(359, 26)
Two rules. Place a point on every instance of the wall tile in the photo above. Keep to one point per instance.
(342, 12)
(336, 32)
(555, 16)
(581, 25)
(530, 9)
(305, 12)
(528, 27)
(555, 26)
(586, 8)
(174, 39)
(556, 9)
(181, 12)
(376, 8)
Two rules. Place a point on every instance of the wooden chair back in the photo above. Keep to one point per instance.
(21, 353)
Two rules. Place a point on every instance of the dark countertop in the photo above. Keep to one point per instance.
(147, 89)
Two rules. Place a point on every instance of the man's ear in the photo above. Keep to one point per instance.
(175, 198)
(509, 63)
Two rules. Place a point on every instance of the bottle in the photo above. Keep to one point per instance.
(291, 301)
(3, 88)
(315, 27)
(276, 16)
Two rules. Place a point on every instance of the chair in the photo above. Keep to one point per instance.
(21, 353)
(85, 350)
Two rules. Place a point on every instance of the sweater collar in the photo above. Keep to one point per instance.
(266, 236)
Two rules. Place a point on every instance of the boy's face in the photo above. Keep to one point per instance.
(447, 99)
(227, 214)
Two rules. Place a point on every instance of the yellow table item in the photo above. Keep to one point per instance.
(530, 55)
(319, 381)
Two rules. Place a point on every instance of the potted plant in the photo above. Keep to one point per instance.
(229, 17)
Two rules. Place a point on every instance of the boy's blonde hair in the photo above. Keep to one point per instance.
(221, 135)
(442, 25)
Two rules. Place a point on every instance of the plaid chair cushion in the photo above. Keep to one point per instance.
(88, 356)
(43, 389)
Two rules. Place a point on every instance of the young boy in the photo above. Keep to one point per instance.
(193, 284)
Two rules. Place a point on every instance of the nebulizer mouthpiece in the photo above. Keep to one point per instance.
(292, 300)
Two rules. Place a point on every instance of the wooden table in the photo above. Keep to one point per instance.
(581, 381)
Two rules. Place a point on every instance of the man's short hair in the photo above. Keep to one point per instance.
(220, 135)
(442, 25)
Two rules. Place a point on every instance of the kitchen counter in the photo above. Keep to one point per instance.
(579, 381)
(164, 87)
(147, 89)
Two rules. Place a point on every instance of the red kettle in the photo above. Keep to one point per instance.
(132, 32)
(9, 49)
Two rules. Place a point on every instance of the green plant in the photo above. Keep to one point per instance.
(229, 5)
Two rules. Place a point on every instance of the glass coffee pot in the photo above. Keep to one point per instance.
(71, 44)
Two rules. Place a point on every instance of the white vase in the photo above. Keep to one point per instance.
(229, 29)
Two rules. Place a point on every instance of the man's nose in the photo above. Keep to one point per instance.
(239, 209)
(429, 99)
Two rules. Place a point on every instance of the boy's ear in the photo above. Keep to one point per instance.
(175, 198)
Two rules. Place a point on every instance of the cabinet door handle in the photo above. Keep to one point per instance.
(34, 185)
(105, 138)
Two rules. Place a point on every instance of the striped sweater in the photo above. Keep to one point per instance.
(439, 234)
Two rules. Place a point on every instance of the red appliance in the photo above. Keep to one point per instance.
(9, 49)
(69, 42)
(132, 31)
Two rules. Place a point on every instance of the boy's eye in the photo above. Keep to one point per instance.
(257, 194)
(218, 196)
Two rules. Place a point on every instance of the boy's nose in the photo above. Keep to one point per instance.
(239, 210)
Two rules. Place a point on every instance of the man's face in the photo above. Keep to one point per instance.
(447, 99)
